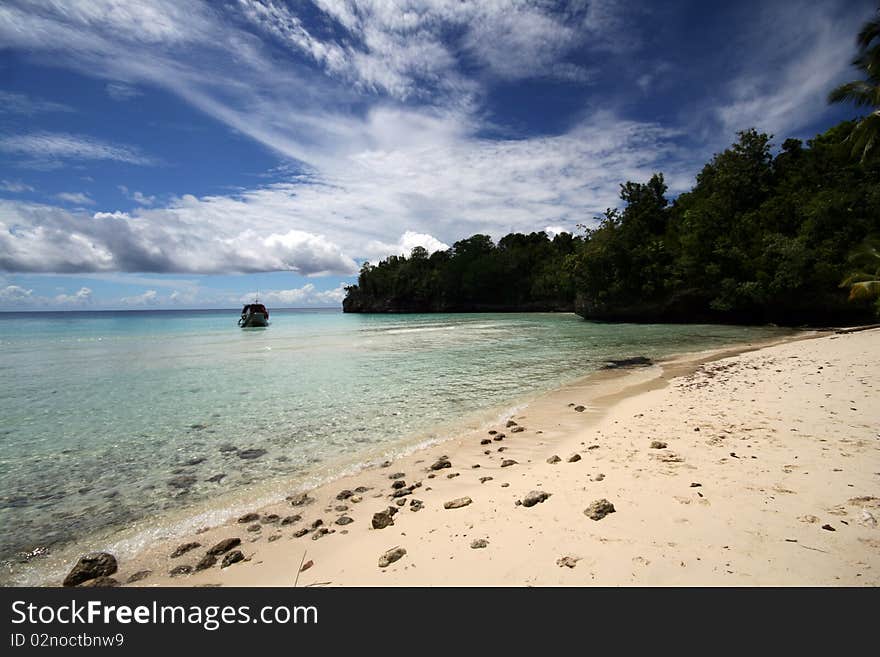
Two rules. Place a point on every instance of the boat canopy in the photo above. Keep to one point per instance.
(255, 308)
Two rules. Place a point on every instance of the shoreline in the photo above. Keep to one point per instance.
(272, 554)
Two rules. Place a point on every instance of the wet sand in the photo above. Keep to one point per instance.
(737, 467)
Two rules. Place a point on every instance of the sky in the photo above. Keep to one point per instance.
(186, 154)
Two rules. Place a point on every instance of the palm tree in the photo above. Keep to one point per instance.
(865, 136)
(864, 282)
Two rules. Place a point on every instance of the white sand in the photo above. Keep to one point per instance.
(782, 441)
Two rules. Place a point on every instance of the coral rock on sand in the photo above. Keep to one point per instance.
(658, 444)
(138, 576)
(344, 520)
(483, 480)
(233, 557)
(517, 429)
(383, 519)
(441, 463)
(308, 564)
(574, 458)
(91, 566)
(510, 423)
(397, 475)
(457, 503)
(207, 561)
(100, 582)
(184, 548)
(299, 533)
(400, 483)
(580, 409)
(486, 441)
(570, 562)
(599, 509)
(554, 459)
(479, 543)
(180, 570)
(301, 499)
(391, 556)
(534, 497)
(344, 495)
(289, 520)
(506, 463)
(225, 546)
(249, 517)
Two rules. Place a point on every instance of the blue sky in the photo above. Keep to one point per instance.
(188, 154)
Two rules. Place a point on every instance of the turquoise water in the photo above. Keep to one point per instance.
(115, 421)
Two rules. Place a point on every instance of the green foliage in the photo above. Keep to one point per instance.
(760, 237)
(520, 272)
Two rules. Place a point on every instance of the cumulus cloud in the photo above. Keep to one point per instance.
(148, 298)
(307, 295)
(81, 297)
(376, 250)
(15, 295)
(138, 197)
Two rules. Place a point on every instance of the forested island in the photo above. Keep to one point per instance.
(759, 238)
(788, 235)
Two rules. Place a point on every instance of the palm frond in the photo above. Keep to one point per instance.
(864, 290)
(858, 92)
(869, 32)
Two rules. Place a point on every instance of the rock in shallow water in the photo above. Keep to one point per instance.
(249, 517)
(91, 566)
(253, 453)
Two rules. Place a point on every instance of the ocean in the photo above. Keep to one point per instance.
(120, 427)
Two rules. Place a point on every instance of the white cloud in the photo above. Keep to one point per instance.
(148, 298)
(797, 51)
(376, 250)
(76, 198)
(14, 186)
(57, 147)
(15, 294)
(307, 295)
(121, 92)
(14, 103)
(138, 197)
(81, 297)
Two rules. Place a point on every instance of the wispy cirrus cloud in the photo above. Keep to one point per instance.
(383, 104)
(49, 149)
(15, 186)
(16, 103)
(75, 198)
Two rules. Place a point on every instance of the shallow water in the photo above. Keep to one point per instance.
(114, 423)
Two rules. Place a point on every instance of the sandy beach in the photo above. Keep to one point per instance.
(739, 467)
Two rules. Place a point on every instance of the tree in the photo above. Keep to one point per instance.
(864, 282)
(866, 92)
